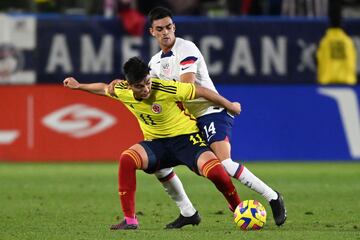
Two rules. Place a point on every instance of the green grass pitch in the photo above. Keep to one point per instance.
(80, 201)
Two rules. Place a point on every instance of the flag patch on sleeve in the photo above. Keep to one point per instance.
(188, 60)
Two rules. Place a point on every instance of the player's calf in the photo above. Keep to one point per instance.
(129, 162)
(214, 171)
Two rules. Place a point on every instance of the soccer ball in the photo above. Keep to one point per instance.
(250, 215)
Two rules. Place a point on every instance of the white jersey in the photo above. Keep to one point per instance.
(185, 57)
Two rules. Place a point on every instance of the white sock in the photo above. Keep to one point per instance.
(176, 191)
(230, 166)
(249, 179)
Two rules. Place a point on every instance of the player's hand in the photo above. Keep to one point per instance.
(111, 86)
(71, 83)
(235, 108)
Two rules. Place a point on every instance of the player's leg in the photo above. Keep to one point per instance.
(173, 186)
(217, 129)
(240, 172)
(176, 191)
(210, 167)
(157, 153)
(246, 177)
(191, 150)
(130, 160)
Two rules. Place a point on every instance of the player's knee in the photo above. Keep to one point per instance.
(209, 166)
(164, 174)
(230, 166)
(216, 173)
(130, 159)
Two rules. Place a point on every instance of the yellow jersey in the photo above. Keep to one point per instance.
(162, 115)
(336, 58)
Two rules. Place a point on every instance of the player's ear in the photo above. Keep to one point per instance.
(151, 30)
(174, 27)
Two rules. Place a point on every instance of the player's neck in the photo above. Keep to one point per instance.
(166, 49)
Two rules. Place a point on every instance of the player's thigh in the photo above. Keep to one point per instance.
(216, 127)
(186, 150)
(204, 158)
(155, 152)
(222, 149)
(143, 154)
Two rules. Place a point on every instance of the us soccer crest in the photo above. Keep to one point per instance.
(156, 108)
(166, 68)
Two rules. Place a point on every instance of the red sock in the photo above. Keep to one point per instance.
(129, 161)
(214, 171)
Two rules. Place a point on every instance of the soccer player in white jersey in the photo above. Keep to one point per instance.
(181, 60)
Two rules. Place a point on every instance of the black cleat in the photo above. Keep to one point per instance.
(124, 226)
(278, 210)
(182, 221)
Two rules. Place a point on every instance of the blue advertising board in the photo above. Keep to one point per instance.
(302, 122)
(237, 50)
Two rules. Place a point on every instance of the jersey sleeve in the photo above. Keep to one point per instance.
(119, 90)
(189, 58)
(185, 91)
(151, 66)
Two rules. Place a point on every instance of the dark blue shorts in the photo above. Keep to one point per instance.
(216, 126)
(170, 152)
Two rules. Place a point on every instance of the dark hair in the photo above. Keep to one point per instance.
(159, 13)
(135, 70)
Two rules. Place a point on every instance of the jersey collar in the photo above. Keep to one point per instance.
(168, 54)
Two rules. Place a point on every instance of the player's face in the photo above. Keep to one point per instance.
(164, 32)
(142, 90)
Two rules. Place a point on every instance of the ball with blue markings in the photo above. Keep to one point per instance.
(250, 215)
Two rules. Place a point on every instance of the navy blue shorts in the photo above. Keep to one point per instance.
(216, 126)
(173, 151)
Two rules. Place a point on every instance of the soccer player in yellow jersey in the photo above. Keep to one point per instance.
(169, 130)
(181, 60)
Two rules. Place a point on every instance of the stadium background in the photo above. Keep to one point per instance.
(58, 148)
(265, 62)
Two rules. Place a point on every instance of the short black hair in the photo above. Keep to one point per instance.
(159, 13)
(135, 70)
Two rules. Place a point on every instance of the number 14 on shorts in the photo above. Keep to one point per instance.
(210, 130)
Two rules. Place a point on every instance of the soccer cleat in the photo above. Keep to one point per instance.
(124, 226)
(182, 221)
(278, 209)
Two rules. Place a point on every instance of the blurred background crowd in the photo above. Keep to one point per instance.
(336, 50)
(109, 8)
(276, 56)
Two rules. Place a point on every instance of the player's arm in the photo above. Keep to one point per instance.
(111, 86)
(96, 88)
(188, 77)
(189, 60)
(233, 107)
